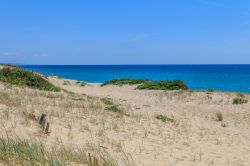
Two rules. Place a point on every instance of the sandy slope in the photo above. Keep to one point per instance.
(195, 138)
(135, 136)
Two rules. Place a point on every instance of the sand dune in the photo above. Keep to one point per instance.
(194, 138)
(133, 136)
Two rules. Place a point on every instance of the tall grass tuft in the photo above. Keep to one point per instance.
(110, 106)
(23, 152)
(33, 153)
(219, 116)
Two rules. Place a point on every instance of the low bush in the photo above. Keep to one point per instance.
(18, 76)
(82, 84)
(219, 116)
(147, 84)
(164, 118)
(164, 85)
(124, 81)
(210, 90)
(239, 100)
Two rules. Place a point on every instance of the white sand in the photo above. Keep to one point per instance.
(136, 137)
(195, 138)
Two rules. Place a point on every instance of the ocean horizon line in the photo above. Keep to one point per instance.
(123, 64)
(224, 77)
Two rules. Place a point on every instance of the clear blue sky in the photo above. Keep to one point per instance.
(124, 31)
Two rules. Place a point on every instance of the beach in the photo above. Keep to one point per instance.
(190, 134)
(194, 138)
(125, 83)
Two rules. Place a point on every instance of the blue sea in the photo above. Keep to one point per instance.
(198, 77)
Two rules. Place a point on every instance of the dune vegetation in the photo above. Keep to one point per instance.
(112, 125)
(21, 77)
(26, 152)
(23, 140)
(124, 81)
(164, 118)
(239, 100)
(150, 85)
(164, 85)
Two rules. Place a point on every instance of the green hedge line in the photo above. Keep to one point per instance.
(147, 84)
(124, 81)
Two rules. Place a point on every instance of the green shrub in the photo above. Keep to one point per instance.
(164, 85)
(113, 108)
(164, 118)
(219, 116)
(146, 84)
(124, 81)
(18, 76)
(210, 90)
(82, 84)
(239, 100)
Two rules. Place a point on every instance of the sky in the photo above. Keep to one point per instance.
(79, 32)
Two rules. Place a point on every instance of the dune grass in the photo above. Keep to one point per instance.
(164, 85)
(124, 81)
(110, 105)
(113, 108)
(107, 101)
(26, 152)
(18, 76)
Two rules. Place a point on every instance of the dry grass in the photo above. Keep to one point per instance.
(19, 111)
(26, 152)
(83, 131)
(193, 138)
(219, 116)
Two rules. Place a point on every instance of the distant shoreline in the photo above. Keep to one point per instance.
(230, 78)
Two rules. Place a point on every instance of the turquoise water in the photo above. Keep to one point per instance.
(197, 77)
